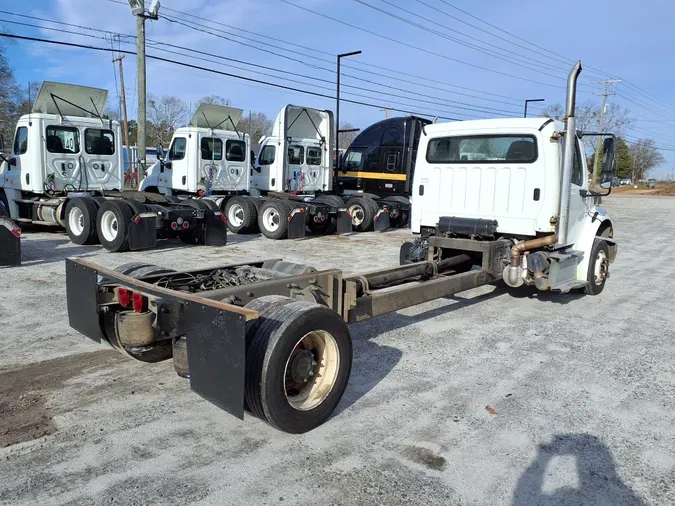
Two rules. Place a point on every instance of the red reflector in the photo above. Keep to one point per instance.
(186, 225)
(124, 297)
(137, 219)
(138, 302)
(174, 225)
(222, 218)
(16, 232)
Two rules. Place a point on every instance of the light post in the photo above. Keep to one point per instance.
(337, 116)
(138, 10)
(531, 100)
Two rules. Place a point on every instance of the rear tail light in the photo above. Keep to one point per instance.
(186, 225)
(174, 225)
(138, 302)
(124, 297)
(16, 232)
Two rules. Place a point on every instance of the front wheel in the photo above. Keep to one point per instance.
(598, 268)
(297, 366)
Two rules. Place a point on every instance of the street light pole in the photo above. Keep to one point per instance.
(531, 100)
(337, 115)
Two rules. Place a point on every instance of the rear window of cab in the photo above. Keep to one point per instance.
(483, 149)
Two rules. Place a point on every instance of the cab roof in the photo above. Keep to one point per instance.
(493, 124)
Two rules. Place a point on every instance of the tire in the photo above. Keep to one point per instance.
(4, 205)
(363, 213)
(81, 220)
(598, 268)
(265, 306)
(401, 221)
(112, 225)
(273, 218)
(242, 215)
(275, 366)
(130, 267)
(404, 253)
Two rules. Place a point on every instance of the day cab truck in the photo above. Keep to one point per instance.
(379, 166)
(287, 190)
(271, 337)
(65, 171)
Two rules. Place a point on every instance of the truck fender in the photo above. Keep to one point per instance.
(593, 228)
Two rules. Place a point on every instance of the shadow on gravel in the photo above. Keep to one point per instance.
(373, 362)
(598, 480)
(531, 292)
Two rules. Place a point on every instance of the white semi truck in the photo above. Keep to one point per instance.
(270, 337)
(65, 170)
(286, 188)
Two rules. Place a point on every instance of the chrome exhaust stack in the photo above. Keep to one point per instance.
(568, 158)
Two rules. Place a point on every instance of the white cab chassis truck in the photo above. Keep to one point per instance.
(65, 170)
(286, 191)
(271, 337)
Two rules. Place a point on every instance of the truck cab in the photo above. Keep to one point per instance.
(296, 158)
(381, 159)
(63, 146)
(209, 156)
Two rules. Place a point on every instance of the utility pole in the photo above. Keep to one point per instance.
(138, 10)
(123, 98)
(598, 149)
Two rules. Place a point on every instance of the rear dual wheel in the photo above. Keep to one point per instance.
(362, 211)
(242, 215)
(112, 224)
(81, 220)
(328, 225)
(273, 218)
(298, 361)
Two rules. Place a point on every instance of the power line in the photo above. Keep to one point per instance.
(459, 105)
(509, 59)
(420, 48)
(213, 71)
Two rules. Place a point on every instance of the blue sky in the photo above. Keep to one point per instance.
(632, 40)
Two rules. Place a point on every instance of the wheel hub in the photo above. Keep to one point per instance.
(302, 366)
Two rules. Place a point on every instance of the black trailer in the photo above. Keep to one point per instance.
(267, 337)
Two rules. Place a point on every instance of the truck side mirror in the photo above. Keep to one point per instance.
(2, 144)
(606, 180)
(608, 152)
(160, 152)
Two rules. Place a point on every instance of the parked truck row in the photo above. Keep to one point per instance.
(495, 201)
(66, 171)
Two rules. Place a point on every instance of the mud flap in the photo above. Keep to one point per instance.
(296, 224)
(382, 220)
(344, 222)
(216, 355)
(81, 296)
(10, 243)
(215, 225)
(143, 231)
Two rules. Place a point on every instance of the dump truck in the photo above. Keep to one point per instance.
(65, 171)
(286, 189)
(272, 338)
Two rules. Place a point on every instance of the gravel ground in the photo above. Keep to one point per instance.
(489, 397)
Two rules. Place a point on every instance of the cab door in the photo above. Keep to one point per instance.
(579, 206)
(177, 169)
(19, 163)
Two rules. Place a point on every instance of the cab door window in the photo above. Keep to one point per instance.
(267, 155)
(177, 151)
(21, 141)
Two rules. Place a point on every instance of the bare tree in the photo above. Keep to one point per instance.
(164, 116)
(214, 100)
(347, 138)
(256, 124)
(645, 157)
(588, 117)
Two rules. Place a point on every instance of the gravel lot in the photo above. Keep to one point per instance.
(580, 391)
